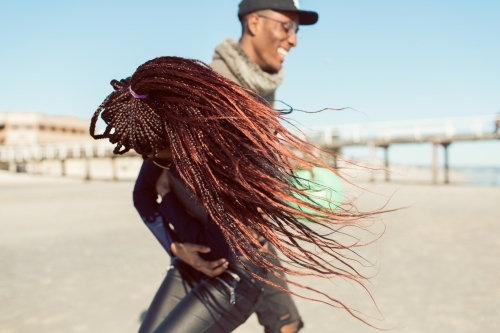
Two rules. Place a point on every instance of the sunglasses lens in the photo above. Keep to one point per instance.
(293, 28)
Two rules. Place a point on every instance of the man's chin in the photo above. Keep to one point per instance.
(272, 70)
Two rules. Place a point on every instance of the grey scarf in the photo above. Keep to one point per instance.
(246, 71)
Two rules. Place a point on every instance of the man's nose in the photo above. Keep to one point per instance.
(292, 40)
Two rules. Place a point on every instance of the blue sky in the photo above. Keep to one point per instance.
(388, 59)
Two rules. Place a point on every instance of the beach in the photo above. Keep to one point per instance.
(75, 257)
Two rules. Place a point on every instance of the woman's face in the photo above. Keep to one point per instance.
(165, 154)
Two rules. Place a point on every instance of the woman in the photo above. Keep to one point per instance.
(226, 148)
(275, 308)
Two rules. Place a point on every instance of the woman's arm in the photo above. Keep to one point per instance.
(149, 184)
(193, 231)
(144, 197)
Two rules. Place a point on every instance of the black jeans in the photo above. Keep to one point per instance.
(188, 302)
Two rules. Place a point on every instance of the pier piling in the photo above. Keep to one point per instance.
(435, 166)
(446, 163)
(386, 162)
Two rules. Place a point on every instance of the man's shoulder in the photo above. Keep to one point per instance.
(219, 65)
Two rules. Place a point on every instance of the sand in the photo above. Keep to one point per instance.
(75, 257)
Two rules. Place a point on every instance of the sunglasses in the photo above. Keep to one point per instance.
(291, 27)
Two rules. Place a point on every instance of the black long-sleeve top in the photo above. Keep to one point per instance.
(172, 210)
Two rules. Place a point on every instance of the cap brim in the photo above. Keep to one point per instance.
(307, 17)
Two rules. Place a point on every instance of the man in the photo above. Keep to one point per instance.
(269, 31)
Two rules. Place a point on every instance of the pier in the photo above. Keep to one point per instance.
(440, 132)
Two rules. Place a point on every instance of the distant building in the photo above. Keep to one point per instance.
(29, 129)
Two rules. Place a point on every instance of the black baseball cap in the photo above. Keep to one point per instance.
(250, 6)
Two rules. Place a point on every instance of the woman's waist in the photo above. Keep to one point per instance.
(218, 250)
(238, 266)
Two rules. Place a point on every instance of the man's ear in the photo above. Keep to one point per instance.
(252, 24)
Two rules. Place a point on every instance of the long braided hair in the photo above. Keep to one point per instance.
(232, 150)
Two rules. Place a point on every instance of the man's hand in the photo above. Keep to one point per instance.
(190, 254)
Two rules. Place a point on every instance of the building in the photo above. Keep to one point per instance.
(31, 129)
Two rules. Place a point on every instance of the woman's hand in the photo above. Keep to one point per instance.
(163, 183)
(190, 254)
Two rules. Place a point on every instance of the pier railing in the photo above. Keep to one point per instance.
(59, 151)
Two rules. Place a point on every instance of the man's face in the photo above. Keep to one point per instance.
(271, 41)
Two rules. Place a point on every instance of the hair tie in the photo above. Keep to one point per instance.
(136, 95)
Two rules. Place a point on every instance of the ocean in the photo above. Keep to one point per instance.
(486, 176)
